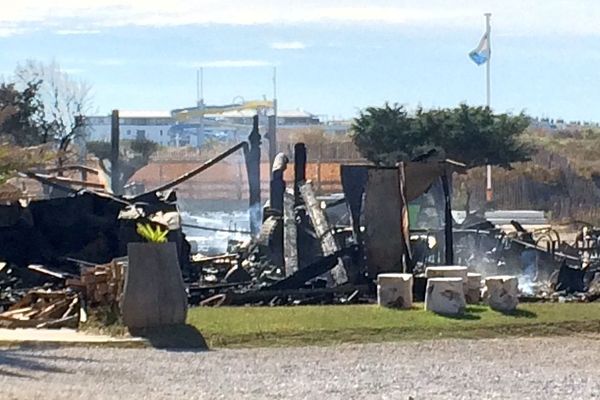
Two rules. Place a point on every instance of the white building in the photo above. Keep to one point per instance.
(151, 125)
(167, 130)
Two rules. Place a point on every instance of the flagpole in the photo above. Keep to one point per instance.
(489, 191)
(487, 64)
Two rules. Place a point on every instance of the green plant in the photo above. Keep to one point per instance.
(152, 235)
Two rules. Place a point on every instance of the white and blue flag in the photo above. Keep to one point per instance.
(481, 54)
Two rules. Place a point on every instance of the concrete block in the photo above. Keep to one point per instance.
(473, 288)
(502, 292)
(447, 271)
(445, 296)
(395, 290)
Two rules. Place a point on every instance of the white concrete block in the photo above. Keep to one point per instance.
(445, 296)
(502, 292)
(395, 290)
(447, 271)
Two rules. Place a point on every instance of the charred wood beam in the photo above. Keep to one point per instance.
(46, 271)
(272, 136)
(69, 181)
(69, 190)
(299, 171)
(253, 168)
(448, 233)
(194, 172)
(558, 255)
(323, 230)
(290, 234)
(277, 184)
(235, 298)
(48, 182)
(336, 203)
(311, 271)
(75, 167)
(300, 217)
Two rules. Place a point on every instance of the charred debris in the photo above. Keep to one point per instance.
(64, 254)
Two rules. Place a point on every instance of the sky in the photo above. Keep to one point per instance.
(333, 58)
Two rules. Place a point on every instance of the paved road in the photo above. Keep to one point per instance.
(557, 368)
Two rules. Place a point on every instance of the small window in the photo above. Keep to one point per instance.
(129, 132)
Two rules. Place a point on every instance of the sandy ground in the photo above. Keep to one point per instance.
(58, 336)
(549, 368)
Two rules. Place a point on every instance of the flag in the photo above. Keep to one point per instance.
(482, 52)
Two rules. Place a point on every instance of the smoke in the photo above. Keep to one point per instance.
(529, 265)
(210, 242)
(483, 255)
(526, 285)
(255, 216)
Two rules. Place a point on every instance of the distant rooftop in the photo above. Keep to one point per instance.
(137, 114)
(144, 114)
(297, 113)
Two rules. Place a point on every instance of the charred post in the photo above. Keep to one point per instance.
(80, 139)
(272, 136)
(448, 234)
(277, 187)
(253, 168)
(299, 170)
(115, 179)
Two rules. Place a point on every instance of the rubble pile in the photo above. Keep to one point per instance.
(61, 255)
(43, 309)
(101, 284)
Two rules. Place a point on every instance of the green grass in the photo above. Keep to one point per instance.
(325, 325)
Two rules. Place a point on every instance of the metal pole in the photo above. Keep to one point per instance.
(487, 64)
(489, 192)
(273, 137)
(197, 87)
(200, 105)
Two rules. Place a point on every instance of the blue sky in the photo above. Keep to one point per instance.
(332, 57)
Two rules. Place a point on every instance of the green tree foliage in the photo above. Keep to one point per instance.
(14, 159)
(144, 147)
(20, 115)
(37, 109)
(473, 135)
(134, 155)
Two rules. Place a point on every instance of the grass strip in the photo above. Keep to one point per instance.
(236, 327)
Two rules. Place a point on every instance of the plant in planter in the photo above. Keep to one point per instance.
(152, 235)
(154, 293)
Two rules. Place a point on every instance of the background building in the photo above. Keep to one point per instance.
(186, 127)
(151, 125)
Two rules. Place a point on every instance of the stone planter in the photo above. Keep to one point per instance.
(154, 294)
(395, 290)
